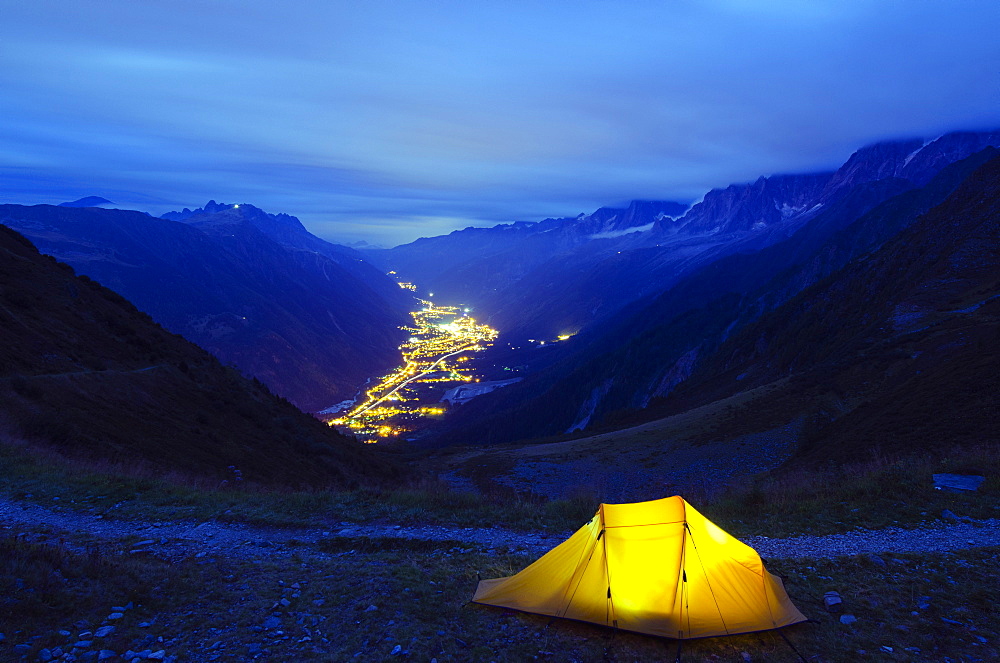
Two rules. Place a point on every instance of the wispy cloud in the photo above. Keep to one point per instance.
(395, 120)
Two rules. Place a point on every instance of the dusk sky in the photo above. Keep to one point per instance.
(386, 121)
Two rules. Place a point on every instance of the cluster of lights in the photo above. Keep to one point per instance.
(438, 334)
(403, 284)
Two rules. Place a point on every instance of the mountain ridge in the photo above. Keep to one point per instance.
(525, 279)
(301, 322)
(86, 374)
(633, 351)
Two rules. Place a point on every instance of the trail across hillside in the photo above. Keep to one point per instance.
(240, 540)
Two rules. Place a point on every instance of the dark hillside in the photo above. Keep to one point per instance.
(298, 320)
(84, 372)
(898, 351)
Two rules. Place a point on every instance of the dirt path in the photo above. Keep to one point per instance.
(86, 372)
(240, 540)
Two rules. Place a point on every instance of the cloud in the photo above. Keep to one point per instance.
(401, 119)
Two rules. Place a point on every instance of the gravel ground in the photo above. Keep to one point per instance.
(971, 534)
(178, 539)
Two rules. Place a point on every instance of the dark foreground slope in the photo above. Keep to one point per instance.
(308, 327)
(84, 372)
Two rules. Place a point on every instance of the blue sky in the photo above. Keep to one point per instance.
(386, 121)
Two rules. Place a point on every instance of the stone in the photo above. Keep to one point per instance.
(143, 625)
(157, 655)
(105, 654)
(83, 644)
(45, 655)
(272, 622)
(947, 514)
(396, 650)
(104, 631)
(115, 615)
(848, 619)
(371, 608)
(285, 602)
(833, 602)
(957, 483)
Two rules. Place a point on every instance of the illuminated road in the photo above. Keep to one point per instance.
(368, 405)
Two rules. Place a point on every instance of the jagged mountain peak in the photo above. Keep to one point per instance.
(238, 210)
(914, 159)
(764, 202)
(637, 214)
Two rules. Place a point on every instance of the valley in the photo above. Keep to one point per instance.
(482, 333)
(803, 383)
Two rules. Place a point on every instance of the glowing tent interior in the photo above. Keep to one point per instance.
(656, 567)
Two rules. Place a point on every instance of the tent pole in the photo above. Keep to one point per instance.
(797, 653)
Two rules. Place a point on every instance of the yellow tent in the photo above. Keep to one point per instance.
(656, 567)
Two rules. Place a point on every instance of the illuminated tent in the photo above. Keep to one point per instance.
(656, 567)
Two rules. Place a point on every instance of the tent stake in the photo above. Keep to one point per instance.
(677, 659)
(785, 638)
